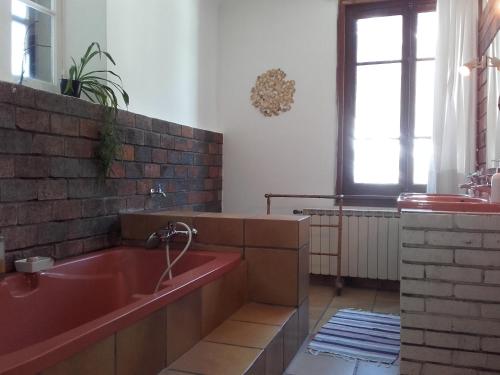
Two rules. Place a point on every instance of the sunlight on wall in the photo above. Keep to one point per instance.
(295, 152)
(166, 51)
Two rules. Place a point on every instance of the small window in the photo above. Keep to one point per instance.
(32, 54)
(387, 110)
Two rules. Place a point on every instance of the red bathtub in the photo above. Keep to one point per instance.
(83, 300)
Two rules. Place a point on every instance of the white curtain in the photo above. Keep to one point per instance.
(492, 111)
(454, 97)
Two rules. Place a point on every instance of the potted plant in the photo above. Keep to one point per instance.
(98, 88)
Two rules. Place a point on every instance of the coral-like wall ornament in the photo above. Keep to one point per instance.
(272, 93)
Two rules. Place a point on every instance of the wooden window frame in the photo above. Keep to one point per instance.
(349, 12)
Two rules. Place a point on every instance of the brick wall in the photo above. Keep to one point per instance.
(489, 24)
(51, 202)
(450, 294)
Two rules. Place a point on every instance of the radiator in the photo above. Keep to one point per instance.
(370, 243)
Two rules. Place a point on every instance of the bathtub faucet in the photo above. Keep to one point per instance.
(166, 234)
(157, 190)
(171, 231)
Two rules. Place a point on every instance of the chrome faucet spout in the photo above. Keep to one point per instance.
(166, 235)
(478, 185)
(157, 190)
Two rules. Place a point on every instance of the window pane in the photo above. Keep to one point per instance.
(379, 38)
(19, 9)
(44, 3)
(427, 29)
(424, 99)
(378, 101)
(376, 161)
(422, 151)
(31, 41)
(18, 32)
(18, 5)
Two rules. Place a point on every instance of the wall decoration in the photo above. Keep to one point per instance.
(272, 93)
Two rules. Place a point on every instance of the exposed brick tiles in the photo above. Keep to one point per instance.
(51, 202)
(450, 290)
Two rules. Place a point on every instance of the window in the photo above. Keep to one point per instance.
(33, 25)
(387, 101)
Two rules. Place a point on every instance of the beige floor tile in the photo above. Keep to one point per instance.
(367, 368)
(387, 307)
(387, 302)
(265, 314)
(312, 325)
(216, 359)
(385, 295)
(325, 318)
(306, 364)
(247, 334)
(321, 290)
(320, 295)
(317, 312)
(355, 298)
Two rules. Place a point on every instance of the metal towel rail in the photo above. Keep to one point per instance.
(339, 198)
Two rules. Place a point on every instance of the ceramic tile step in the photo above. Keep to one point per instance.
(208, 358)
(257, 339)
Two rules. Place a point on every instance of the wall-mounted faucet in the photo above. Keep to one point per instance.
(165, 235)
(478, 185)
(158, 190)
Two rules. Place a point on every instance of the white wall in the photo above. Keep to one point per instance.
(83, 22)
(5, 74)
(295, 152)
(166, 54)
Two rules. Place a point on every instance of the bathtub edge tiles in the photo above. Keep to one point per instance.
(139, 225)
(277, 231)
(219, 229)
(141, 347)
(222, 297)
(268, 283)
(213, 358)
(251, 335)
(97, 359)
(254, 312)
(183, 325)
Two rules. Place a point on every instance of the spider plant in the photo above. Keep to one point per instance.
(94, 84)
(102, 87)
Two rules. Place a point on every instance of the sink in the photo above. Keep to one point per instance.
(445, 202)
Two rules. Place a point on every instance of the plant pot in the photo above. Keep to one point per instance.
(74, 90)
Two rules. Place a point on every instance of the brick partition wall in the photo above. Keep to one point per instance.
(51, 201)
(450, 294)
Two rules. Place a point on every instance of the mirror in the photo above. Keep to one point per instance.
(492, 107)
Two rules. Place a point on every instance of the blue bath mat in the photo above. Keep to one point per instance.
(360, 335)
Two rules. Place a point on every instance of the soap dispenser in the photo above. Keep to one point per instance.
(495, 184)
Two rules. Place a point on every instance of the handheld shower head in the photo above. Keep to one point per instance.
(153, 241)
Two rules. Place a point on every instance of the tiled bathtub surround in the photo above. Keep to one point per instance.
(276, 247)
(148, 346)
(450, 294)
(208, 330)
(51, 202)
(262, 337)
